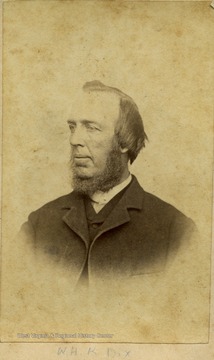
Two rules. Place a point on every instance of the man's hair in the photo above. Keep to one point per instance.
(129, 127)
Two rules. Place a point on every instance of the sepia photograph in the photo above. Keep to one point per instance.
(107, 172)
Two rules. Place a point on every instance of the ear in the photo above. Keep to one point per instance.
(124, 150)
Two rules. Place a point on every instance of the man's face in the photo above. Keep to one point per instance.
(92, 125)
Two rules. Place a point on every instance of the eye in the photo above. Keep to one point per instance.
(92, 127)
(72, 127)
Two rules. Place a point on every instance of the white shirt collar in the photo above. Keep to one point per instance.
(100, 199)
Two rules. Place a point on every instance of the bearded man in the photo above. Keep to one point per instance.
(108, 227)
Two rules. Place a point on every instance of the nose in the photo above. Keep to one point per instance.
(76, 137)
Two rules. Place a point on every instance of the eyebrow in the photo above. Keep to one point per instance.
(84, 122)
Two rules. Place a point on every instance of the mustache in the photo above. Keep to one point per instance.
(80, 155)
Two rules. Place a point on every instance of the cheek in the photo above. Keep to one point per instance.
(100, 144)
(103, 148)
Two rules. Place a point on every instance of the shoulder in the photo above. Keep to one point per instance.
(158, 205)
(162, 218)
(157, 210)
(168, 214)
(58, 205)
(62, 201)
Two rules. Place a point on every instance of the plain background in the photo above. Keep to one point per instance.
(158, 53)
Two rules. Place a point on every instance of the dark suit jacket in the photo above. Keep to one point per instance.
(138, 236)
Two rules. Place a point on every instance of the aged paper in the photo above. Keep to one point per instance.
(158, 54)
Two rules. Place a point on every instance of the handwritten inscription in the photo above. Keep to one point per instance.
(93, 352)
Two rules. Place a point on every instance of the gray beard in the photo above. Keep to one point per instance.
(104, 181)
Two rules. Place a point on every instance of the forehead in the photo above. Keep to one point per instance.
(95, 106)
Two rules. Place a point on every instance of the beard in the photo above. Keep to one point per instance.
(105, 180)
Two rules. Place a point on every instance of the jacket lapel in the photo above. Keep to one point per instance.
(75, 218)
(132, 198)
